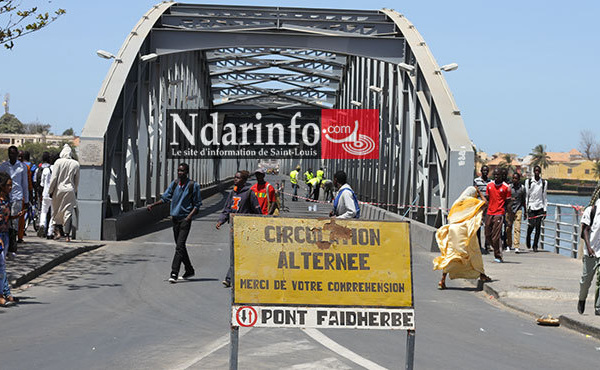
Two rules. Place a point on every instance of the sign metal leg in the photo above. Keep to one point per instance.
(410, 349)
(233, 347)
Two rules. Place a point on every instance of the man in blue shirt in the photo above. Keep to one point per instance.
(186, 200)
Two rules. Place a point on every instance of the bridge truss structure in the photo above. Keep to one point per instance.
(184, 56)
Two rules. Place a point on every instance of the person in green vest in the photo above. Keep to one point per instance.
(294, 181)
(320, 173)
(315, 184)
(307, 176)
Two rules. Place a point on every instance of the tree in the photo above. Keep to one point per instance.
(506, 162)
(69, 132)
(589, 146)
(540, 157)
(16, 21)
(9, 124)
(596, 169)
(37, 128)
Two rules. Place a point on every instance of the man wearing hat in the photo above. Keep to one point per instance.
(265, 193)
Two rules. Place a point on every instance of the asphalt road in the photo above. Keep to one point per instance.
(114, 309)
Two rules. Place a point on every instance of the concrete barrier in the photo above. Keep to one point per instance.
(421, 235)
(130, 223)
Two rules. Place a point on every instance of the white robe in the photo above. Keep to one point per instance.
(63, 189)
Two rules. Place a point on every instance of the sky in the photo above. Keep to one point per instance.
(528, 70)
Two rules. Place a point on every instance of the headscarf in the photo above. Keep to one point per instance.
(66, 152)
(469, 192)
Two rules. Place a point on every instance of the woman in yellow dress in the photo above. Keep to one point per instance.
(461, 256)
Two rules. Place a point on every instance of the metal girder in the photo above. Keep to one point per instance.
(388, 49)
(276, 58)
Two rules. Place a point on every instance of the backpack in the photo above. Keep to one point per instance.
(190, 188)
(592, 214)
(337, 199)
(528, 186)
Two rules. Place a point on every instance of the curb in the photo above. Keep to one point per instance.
(565, 321)
(50, 265)
(579, 326)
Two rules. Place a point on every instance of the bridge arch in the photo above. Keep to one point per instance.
(205, 56)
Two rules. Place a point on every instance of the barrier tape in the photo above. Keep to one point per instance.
(577, 208)
(370, 203)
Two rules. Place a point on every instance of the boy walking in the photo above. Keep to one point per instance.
(186, 200)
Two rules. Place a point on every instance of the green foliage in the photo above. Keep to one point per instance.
(507, 163)
(16, 21)
(9, 124)
(37, 128)
(540, 157)
(69, 131)
(596, 169)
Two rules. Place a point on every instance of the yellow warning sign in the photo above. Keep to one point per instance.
(321, 262)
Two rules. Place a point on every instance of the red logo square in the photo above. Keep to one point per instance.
(350, 133)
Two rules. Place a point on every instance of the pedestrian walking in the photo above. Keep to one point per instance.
(294, 181)
(265, 193)
(514, 212)
(19, 195)
(460, 253)
(536, 202)
(590, 233)
(345, 204)
(184, 195)
(63, 191)
(241, 201)
(481, 184)
(6, 298)
(498, 193)
(44, 174)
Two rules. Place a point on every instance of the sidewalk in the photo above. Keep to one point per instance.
(542, 283)
(537, 284)
(36, 256)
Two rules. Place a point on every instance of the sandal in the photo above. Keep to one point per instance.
(6, 303)
(485, 279)
(12, 298)
(442, 285)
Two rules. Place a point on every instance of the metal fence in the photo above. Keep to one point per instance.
(560, 230)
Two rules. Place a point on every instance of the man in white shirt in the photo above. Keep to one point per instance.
(46, 228)
(536, 204)
(19, 195)
(590, 222)
(345, 204)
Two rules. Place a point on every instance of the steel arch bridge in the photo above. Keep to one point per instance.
(207, 56)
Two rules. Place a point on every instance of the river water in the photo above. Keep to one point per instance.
(569, 214)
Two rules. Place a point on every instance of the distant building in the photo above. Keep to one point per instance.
(567, 166)
(17, 140)
(498, 158)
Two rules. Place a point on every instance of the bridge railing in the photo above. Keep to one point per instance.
(560, 230)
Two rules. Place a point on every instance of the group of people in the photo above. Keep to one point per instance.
(52, 184)
(314, 183)
(508, 204)
(499, 206)
(260, 198)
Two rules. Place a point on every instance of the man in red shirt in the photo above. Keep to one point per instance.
(265, 193)
(498, 193)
